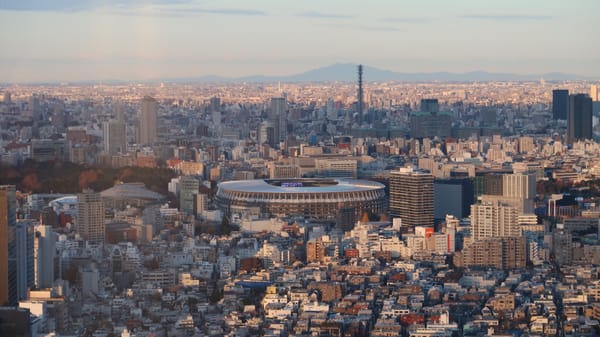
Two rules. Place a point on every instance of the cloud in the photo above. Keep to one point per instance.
(375, 28)
(124, 7)
(321, 15)
(407, 20)
(508, 17)
(224, 11)
(78, 5)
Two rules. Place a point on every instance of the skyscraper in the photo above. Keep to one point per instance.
(148, 120)
(215, 110)
(8, 221)
(90, 216)
(411, 196)
(44, 254)
(594, 93)
(579, 118)
(279, 117)
(560, 103)
(24, 258)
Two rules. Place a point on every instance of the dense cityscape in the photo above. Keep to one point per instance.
(300, 209)
(338, 168)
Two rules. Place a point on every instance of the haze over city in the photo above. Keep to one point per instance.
(70, 40)
(196, 168)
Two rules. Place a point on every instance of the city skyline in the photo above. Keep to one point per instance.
(151, 39)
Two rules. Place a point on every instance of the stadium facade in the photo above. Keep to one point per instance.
(312, 198)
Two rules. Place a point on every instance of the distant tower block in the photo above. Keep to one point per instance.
(360, 93)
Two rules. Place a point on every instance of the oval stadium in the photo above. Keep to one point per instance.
(312, 198)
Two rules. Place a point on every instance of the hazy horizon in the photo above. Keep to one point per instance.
(87, 40)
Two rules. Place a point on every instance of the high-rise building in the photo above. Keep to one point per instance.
(411, 196)
(266, 134)
(562, 246)
(279, 118)
(522, 186)
(492, 220)
(560, 103)
(24, 257)
(215, 110)
(331, 110)
(188, 187)
(579, 118)
(452, 196)
(430, 105)
(430, 124)
(8, 221)
(148, 121)
(594, 93)
(44, 255)
(90, 216)
(115, 137)
(200, 203)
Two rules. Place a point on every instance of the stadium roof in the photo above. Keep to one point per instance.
(300, 185)
(131, 191)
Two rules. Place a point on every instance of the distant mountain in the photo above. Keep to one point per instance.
(347, 72)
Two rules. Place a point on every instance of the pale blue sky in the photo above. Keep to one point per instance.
(66, 40)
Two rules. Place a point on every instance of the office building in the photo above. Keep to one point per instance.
(148, 121)
(48, 149)
(115, 137)
(336, 167)
(44, 255)
(430, 105)
(8, 221)
(522, 186)
(266, 134)
(279, 118)
(90, 216)
(426, 124)
(188, 187)
(452, 196)
(411, 196)
(215, 110)
(579, 118)
(492, 220)
(594, 93)
(331, 110)
(560, 103)
(24, 257)
(200, 203)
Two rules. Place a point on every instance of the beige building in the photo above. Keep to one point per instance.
(90, 216)
(498, 252)
(148, 121)
(411, 197)
(492, 220)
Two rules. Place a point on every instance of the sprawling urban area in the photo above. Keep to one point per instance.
(317, 209)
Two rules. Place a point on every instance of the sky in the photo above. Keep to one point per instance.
(71, 40)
